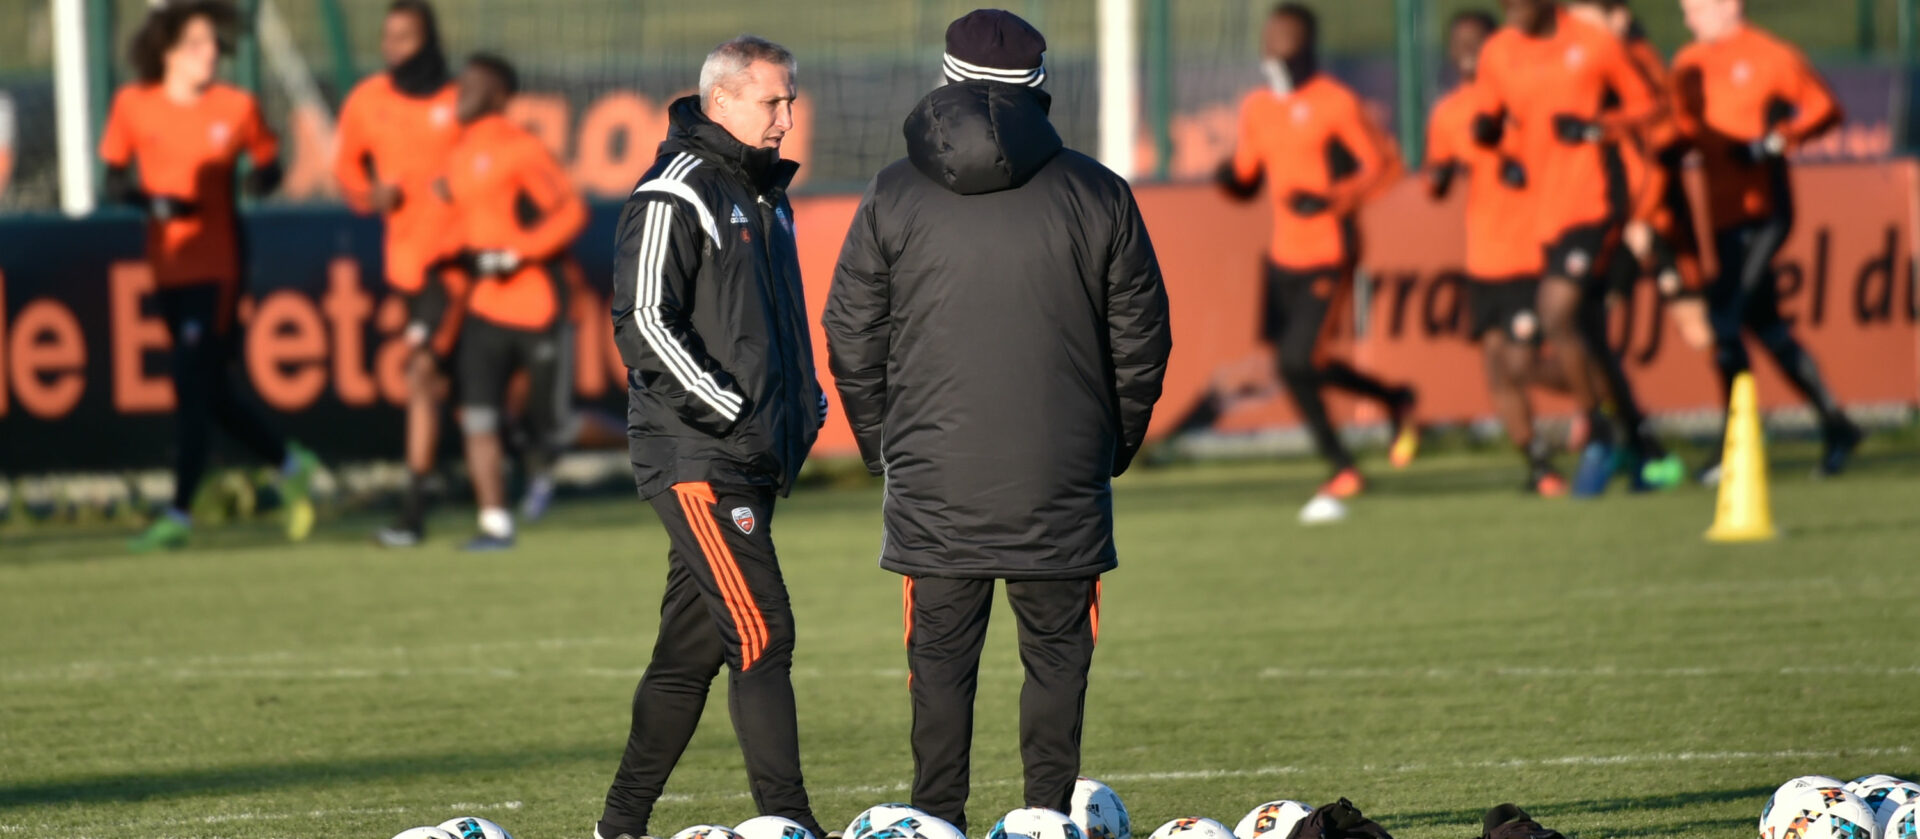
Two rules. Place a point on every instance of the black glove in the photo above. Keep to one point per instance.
(1230, 181)
(823, 407)
(1513, 173)
(1440, 179)
(1575, 131)
(1307, 204)
(1489, 130)
(1339, 820)
(1768, 148)
(264, 179)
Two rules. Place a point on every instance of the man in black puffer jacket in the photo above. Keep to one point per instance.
(998, 331)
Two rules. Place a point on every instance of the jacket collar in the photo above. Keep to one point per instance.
(692, 132)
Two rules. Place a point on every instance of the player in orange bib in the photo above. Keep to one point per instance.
(396, 130)
(1746, 100)
(185, 132)
(517, 214)
(1309, 138)
(1567, 89)
(1503, 258)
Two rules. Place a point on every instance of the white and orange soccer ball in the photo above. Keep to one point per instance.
(1272, 820)
(1098, 811)
(707, 831)
(1816, 807)
(1192, 828)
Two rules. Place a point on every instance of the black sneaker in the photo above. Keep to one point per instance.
(1839, 443)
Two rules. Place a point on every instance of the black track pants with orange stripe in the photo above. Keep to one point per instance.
(1059, 621)
(725, 604)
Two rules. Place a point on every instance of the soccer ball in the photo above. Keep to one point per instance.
(920, 826)
(1274, 820)
(1098, 811)
(772, 827)
(1885, 794)
(469, 827)
(1192, 828)
(877, 818)
(706, 831)
(1816, 807)
(1903, 823)
(1856, 785)
(424, 833)
(1036, 823)
(1323, 509)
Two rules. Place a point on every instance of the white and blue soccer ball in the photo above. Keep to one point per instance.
(1885, 794)
(1816, 807)
(1098, 811)
(1192, 828)
(920, 826)
(424, 833)
(1036, 823)
(707, 831)
(1854, 786)
(1272, 820)
(1903, 823)
(877, 818)
(772, 827)
(471, 827)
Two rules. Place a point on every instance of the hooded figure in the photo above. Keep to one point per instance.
(998, 332)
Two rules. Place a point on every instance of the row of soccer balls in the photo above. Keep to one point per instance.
(1097, 813)
(1819, 807)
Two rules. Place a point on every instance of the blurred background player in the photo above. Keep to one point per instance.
(1309, 137)
(1550, 77)
(396, 130)
(186, 132)
(1503, 259)
(517, 214)
(1639, 192)
(1746, 99)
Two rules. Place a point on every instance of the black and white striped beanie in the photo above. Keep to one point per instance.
(996, 46)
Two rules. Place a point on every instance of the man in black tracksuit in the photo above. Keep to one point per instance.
(722, 408)
(998, 330)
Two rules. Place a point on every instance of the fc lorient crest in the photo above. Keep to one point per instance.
(743, 519)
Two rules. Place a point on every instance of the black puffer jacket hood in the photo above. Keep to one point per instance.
(979, 137)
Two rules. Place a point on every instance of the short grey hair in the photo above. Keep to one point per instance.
(728, 61)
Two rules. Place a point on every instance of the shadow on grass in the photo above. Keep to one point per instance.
(1547, 812)
(240, 780)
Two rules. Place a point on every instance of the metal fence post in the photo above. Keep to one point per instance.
(1410, 57)
(340, 44)
(1160, 84)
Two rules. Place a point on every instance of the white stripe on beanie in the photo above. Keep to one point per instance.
(959, 71)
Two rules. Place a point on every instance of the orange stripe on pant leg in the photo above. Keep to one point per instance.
(726, 566)
(690, 505)
(906, 618)
(1093, 611)
(753, 639)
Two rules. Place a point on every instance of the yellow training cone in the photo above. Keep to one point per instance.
(1744, 513)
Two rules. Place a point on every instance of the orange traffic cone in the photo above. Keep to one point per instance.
(1744, 513)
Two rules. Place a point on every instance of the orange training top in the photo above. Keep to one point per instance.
(1647, 178)
(1293, 140)
(405, 141)
(1500, 240)
(510, 194)
(188, 151)
(1533, 80)
(1723, 91)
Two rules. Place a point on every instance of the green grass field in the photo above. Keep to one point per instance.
(1450, 647)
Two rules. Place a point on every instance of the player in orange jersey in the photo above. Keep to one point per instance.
(1503, 261)
(186, 133)
(396, 130)
(1567, 89)
(517, 214)
(1746, 100)
(1309, 138)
